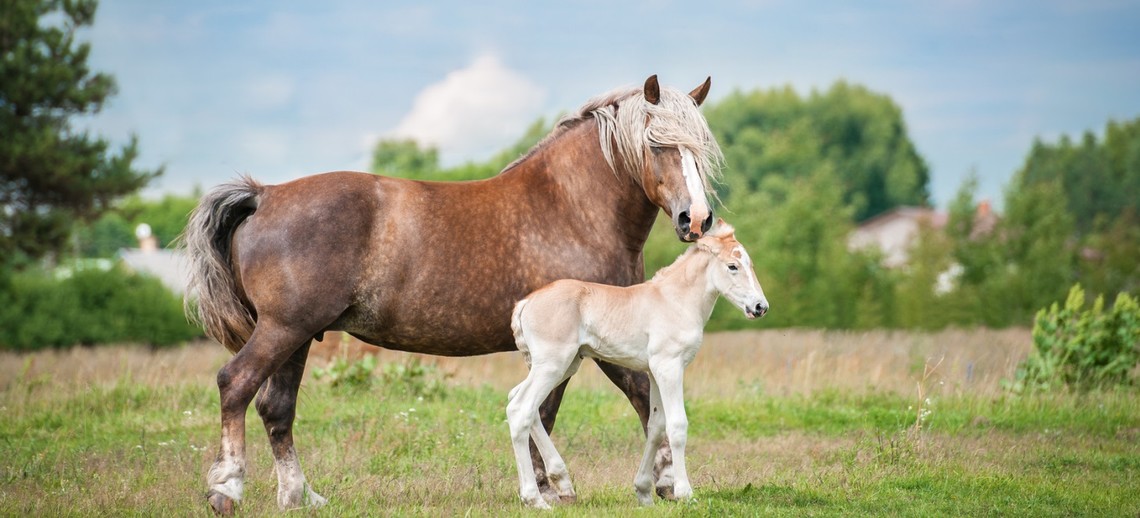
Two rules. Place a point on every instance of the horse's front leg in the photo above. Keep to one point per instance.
(277, 406)
(635, 385)
(669, 376)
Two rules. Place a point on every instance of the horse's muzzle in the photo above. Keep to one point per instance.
(684, 226)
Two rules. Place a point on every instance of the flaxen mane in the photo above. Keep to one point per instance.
(621, 115)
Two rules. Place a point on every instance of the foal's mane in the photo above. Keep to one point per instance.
(668, 270)
(621, 114)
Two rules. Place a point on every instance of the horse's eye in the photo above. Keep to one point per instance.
(657, 150)
(733, 268)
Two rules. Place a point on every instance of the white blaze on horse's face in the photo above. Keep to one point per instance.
(736, 281)
(698, 205)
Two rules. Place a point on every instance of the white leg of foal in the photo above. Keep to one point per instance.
(670, 379)
(520, 419)
(522, 415)
(556, 471)
(655, 433)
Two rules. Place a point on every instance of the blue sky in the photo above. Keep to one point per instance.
(281, 89)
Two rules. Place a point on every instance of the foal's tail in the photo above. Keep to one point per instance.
(220, 309)
(517, 328)
(520, 341)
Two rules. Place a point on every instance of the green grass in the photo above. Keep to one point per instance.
(134, 449)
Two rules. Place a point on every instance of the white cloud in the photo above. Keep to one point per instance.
(473, 111)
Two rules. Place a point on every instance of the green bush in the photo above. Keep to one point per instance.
(89, 307)
(1083, 349)
(350, 375)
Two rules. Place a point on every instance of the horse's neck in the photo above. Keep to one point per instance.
(601, 200)
(686, 282)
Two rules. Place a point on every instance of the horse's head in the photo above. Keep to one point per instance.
(661, 139)
(731, 270)
(680, 154)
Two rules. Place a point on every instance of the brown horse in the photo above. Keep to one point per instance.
(435, 267)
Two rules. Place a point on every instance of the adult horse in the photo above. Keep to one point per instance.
(434, 267)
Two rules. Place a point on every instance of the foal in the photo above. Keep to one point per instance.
(655, 327)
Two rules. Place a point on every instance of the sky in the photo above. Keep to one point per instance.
(283, 89)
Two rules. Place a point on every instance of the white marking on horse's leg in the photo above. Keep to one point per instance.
(293, 491)
(699, 206)
(663, 466)
(655, 433)
(670, 379)
(227, 474)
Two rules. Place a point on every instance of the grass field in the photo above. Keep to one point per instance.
(782, 423)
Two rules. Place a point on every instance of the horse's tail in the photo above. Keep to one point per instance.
(220, 308)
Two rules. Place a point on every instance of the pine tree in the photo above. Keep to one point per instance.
(51, 173)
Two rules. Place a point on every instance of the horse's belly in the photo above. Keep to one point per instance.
(445, 337)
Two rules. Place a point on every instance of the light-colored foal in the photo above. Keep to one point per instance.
(655, 327)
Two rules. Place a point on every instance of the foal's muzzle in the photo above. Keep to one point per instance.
(684, 224)
(757, 311)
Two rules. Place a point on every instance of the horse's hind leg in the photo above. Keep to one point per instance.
(277, 406)
(238, 381)
(635, 385)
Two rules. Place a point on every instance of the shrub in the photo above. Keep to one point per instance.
(1082, 348)
(345, 374)
(89, 307)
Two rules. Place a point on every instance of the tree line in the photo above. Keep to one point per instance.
(803, 172)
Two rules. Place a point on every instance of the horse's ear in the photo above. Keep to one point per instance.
(652, 90)
(699, 93)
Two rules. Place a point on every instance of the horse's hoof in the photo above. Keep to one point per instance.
(567, 499)
(666, 492)
(221, 504)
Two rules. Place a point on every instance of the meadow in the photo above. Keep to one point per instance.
(782, 423)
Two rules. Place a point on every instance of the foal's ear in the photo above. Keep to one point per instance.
(652, 90)
(699, 93)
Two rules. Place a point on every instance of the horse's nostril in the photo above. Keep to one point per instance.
(683, 219)
(707, 223)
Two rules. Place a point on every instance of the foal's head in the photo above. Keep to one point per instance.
(659, 137)
(731, 270)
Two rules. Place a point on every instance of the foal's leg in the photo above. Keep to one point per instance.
(277, 406)
(654, 436)
(238, 381)
(553, 467)
(669, 376)
(522, 416)
(635, 385)
(547, 413)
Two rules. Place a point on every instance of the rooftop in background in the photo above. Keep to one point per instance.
(169, 266)
(894, 231)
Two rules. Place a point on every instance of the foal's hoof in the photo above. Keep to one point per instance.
(221, 504)
(666, 492)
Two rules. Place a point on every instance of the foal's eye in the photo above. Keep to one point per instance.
(733, 268)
